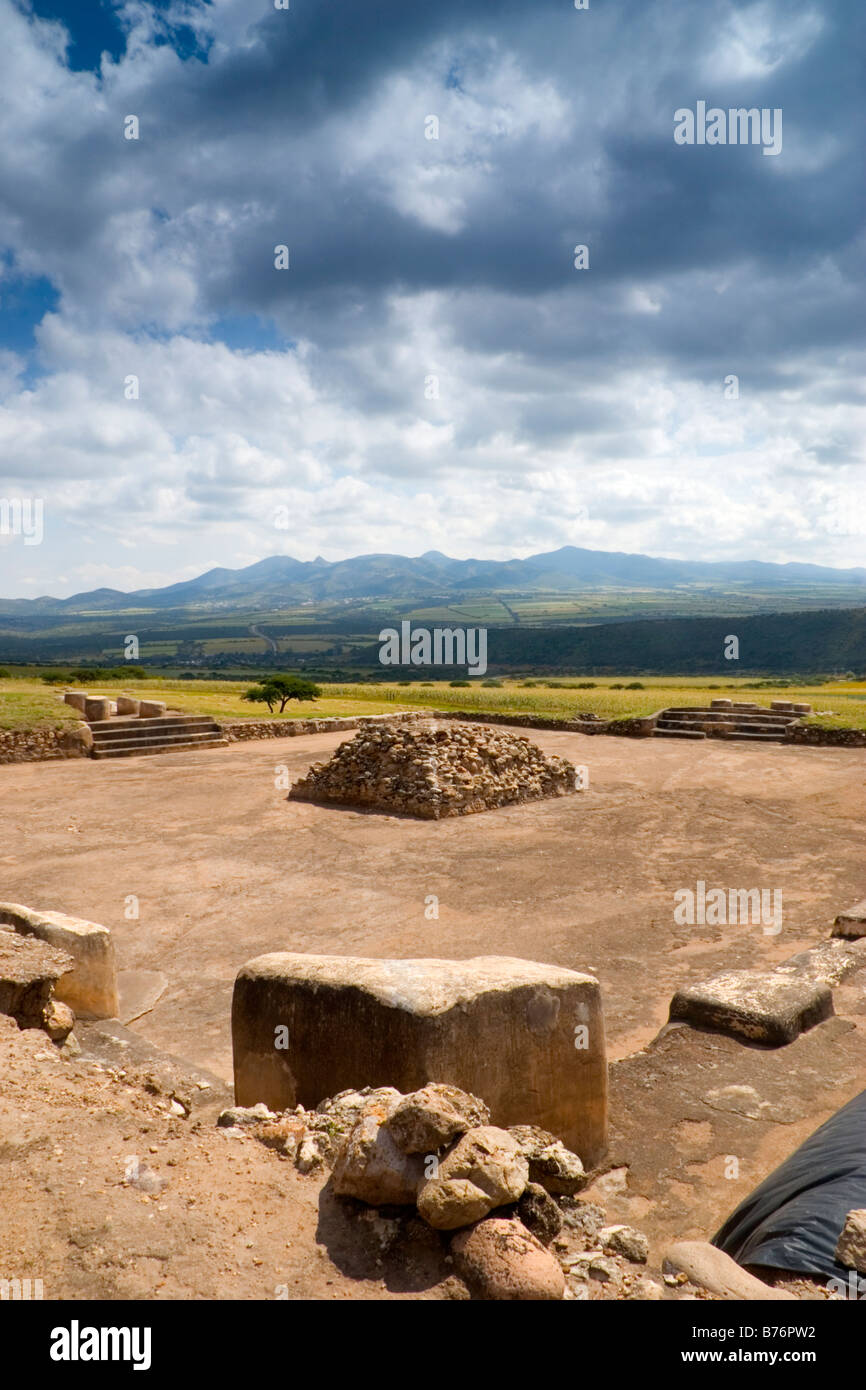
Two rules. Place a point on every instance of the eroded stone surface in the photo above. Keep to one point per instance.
(853, 922)
(370, 1166)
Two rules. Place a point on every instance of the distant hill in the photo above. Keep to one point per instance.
(280, 580)
(820, 641)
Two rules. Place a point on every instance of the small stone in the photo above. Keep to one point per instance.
(240, 1116)
(602, 1269)
(702, 1264)
(310, 1151)
(500, 1259)
(539, 1213)
(432, 1117)
(851, 1247)
(626, 1241)
(58, 1020)
(647, 1290)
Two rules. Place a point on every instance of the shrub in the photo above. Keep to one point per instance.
(464, 684)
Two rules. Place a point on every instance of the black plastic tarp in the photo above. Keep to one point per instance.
(794, 1219)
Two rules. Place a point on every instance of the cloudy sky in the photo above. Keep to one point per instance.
(431, 371)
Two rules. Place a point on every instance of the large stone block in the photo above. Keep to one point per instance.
(151, 709)
(527, 1038)
(76, 698)
(126, 705)
(90, 989)
(851, 923)
(97, 707)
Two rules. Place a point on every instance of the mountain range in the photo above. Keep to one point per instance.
(280, 580)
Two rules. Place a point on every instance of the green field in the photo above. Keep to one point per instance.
(838, 704)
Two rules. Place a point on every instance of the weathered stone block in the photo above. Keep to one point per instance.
(851, 923)
(90, 989)
(75, 742)
(126, 705)
(151, 709)
(76, 698)
(526, 1038)
(96, 707)
(769, 1006)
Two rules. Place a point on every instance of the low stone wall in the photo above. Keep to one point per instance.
(830, 738)
(235, 729)
(527, 721)
(41, 745)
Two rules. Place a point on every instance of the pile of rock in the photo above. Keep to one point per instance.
(504, 1199)
(431, 770)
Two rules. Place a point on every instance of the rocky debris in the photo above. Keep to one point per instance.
(500, 1259)
(710, 1268)
(851, 1247)
(29, 970)
(852, 923)
(626, 1241)
(583, 1220)
(539, 1213)
(428, 1119)
(551, 1164)
(431, 770)
(369, 1165)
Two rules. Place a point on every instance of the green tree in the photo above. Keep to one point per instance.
(280, 690)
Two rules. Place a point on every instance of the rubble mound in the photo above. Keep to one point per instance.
(432, 770)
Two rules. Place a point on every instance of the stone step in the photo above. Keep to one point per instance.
(756, 737)
(106, 736)
(139, 748)
(125, 727)
(677, 733)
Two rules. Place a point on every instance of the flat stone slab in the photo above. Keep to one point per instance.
(90, 989)
(762, 1006)
(525, 1037)
(853, 922)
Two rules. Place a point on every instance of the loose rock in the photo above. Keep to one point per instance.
(432, 1117)
(500, 1259)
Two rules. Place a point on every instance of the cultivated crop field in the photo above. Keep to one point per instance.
(837, 704)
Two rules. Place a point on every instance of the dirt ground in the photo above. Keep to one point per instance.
(224, 867)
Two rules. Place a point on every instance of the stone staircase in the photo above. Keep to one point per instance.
(726, 719)
(170, 733)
